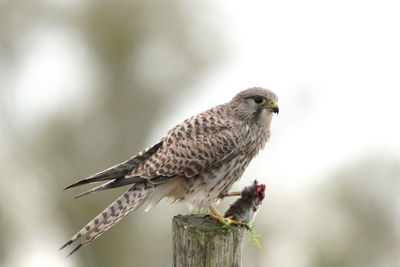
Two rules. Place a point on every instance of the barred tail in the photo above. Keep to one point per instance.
(129, 201)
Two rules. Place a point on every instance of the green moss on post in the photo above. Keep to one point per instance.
(197, 241)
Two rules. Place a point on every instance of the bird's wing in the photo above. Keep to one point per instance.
(199, 143)
(120, 170)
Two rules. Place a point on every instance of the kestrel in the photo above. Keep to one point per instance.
(197, 161)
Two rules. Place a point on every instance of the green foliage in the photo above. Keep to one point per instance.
(204, 213)
(253, 236)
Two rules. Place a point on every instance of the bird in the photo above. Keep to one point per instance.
(245, 208)
(196, 162)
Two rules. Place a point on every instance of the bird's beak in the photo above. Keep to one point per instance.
(273, 108)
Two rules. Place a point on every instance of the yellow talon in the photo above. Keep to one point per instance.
(216, 216)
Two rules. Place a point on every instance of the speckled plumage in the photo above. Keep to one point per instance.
(196, 162)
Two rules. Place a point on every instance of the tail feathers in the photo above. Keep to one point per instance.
(120, 170)
(129, 201)
(104, 226)
(112, 184)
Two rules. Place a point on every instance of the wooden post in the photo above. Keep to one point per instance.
(198, 241)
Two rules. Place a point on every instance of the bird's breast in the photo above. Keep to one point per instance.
(206, 188)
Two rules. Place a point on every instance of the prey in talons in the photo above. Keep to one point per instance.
(244, 209)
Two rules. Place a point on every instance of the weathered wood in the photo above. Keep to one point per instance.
(198, 241)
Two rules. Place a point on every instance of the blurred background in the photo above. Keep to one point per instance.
(87, 84)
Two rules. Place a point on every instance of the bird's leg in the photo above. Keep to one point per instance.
(231, 194)
(216, 216)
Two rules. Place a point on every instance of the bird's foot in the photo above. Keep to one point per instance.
(226, 222)
(243, 224)
(216, 216)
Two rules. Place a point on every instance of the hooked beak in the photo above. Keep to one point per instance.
(274, 109)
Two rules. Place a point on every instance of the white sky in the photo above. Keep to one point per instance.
(335, 66)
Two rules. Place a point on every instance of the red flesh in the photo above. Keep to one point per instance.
(260, 192)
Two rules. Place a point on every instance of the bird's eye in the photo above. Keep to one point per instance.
(260, 100)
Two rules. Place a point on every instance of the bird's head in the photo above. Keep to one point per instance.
(255, 104)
